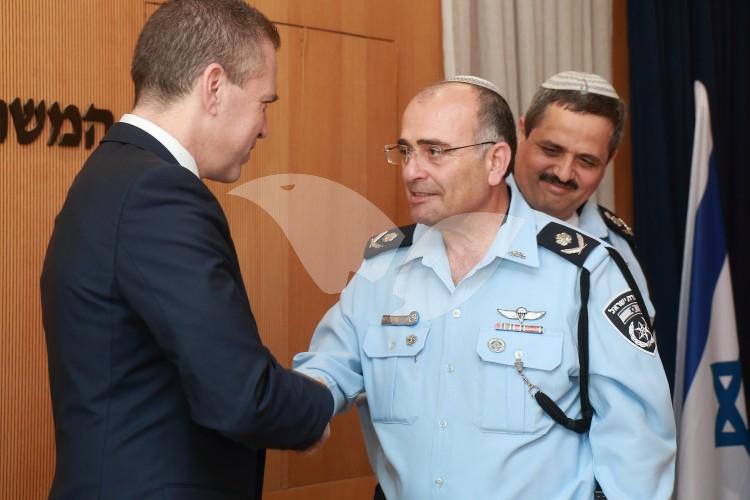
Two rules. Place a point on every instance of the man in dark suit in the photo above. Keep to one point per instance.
(161, 387)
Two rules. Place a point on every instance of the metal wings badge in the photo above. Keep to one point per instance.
(521, 314)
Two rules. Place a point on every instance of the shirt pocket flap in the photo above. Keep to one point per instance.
(538, 351)
(389, 341)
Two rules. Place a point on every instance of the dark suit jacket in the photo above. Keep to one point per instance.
(160, 385)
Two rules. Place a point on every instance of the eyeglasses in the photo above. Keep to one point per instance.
(400, 154)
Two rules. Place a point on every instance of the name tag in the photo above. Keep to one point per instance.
(410, 319)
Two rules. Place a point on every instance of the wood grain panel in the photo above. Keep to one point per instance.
(367, 18)
(74, 53)
(348, 80)
(621, 81)
(360, 488)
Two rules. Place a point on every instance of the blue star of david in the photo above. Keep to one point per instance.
(728, 412)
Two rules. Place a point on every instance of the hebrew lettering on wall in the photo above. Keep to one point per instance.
(66, 125)
(3, 121)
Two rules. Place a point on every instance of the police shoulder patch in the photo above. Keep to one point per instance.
(389, 240)
(567, 242)
(625, 313)
(617, 225)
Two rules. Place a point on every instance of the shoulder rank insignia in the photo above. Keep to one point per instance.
(389, 240)
(566, 242)
(617, 225)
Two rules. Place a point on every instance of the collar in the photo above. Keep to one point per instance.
(591, 221)
(167, 140)
(574, 220)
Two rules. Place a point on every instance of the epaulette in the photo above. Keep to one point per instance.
(566, 242)
(574, 246)
(391, 239)
(618, 225)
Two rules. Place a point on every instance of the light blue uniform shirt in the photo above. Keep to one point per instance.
(447, 417)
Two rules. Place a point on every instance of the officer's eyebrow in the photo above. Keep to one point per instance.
(431, 142)
(549, 145)
(423, 142)
(590, 159)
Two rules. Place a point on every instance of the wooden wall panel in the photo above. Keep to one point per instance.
(368, 18)
(621, 80)
(347, 80)
(57, 52)
(360, 488)
(347, 68)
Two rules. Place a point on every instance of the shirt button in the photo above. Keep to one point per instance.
(457, 313)
(439, 482)
(391, 344)
(443, 424)
(451, 368)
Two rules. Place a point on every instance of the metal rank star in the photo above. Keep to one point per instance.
(564, 239)
(619, 223)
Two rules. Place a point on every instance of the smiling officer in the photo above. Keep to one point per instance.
(502, 351)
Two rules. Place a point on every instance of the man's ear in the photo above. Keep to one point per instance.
(498, 159)
(210, 86)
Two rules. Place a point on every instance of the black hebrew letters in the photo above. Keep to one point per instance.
(65, 124)
(3, 121)
(73, 116)
(23, 117)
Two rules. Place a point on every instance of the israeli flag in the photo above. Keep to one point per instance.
(713, 454)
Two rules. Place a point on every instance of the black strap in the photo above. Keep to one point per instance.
(582, 424)
(378, 495)
(631, 282)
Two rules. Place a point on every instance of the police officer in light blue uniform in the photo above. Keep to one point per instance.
(453, 326)
(569, 134)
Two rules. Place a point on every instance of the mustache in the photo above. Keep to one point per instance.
(553, 179)
(420, 187)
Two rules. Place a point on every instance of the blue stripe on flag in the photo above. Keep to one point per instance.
(709, 251)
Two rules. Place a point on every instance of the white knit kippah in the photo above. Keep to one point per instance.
(582, 82)
(473, 80)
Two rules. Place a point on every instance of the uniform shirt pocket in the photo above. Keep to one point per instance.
(392, 371)
(504, 403)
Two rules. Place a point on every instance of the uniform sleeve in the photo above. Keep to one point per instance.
(632, 432)
(334, 354)
(177, 268)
